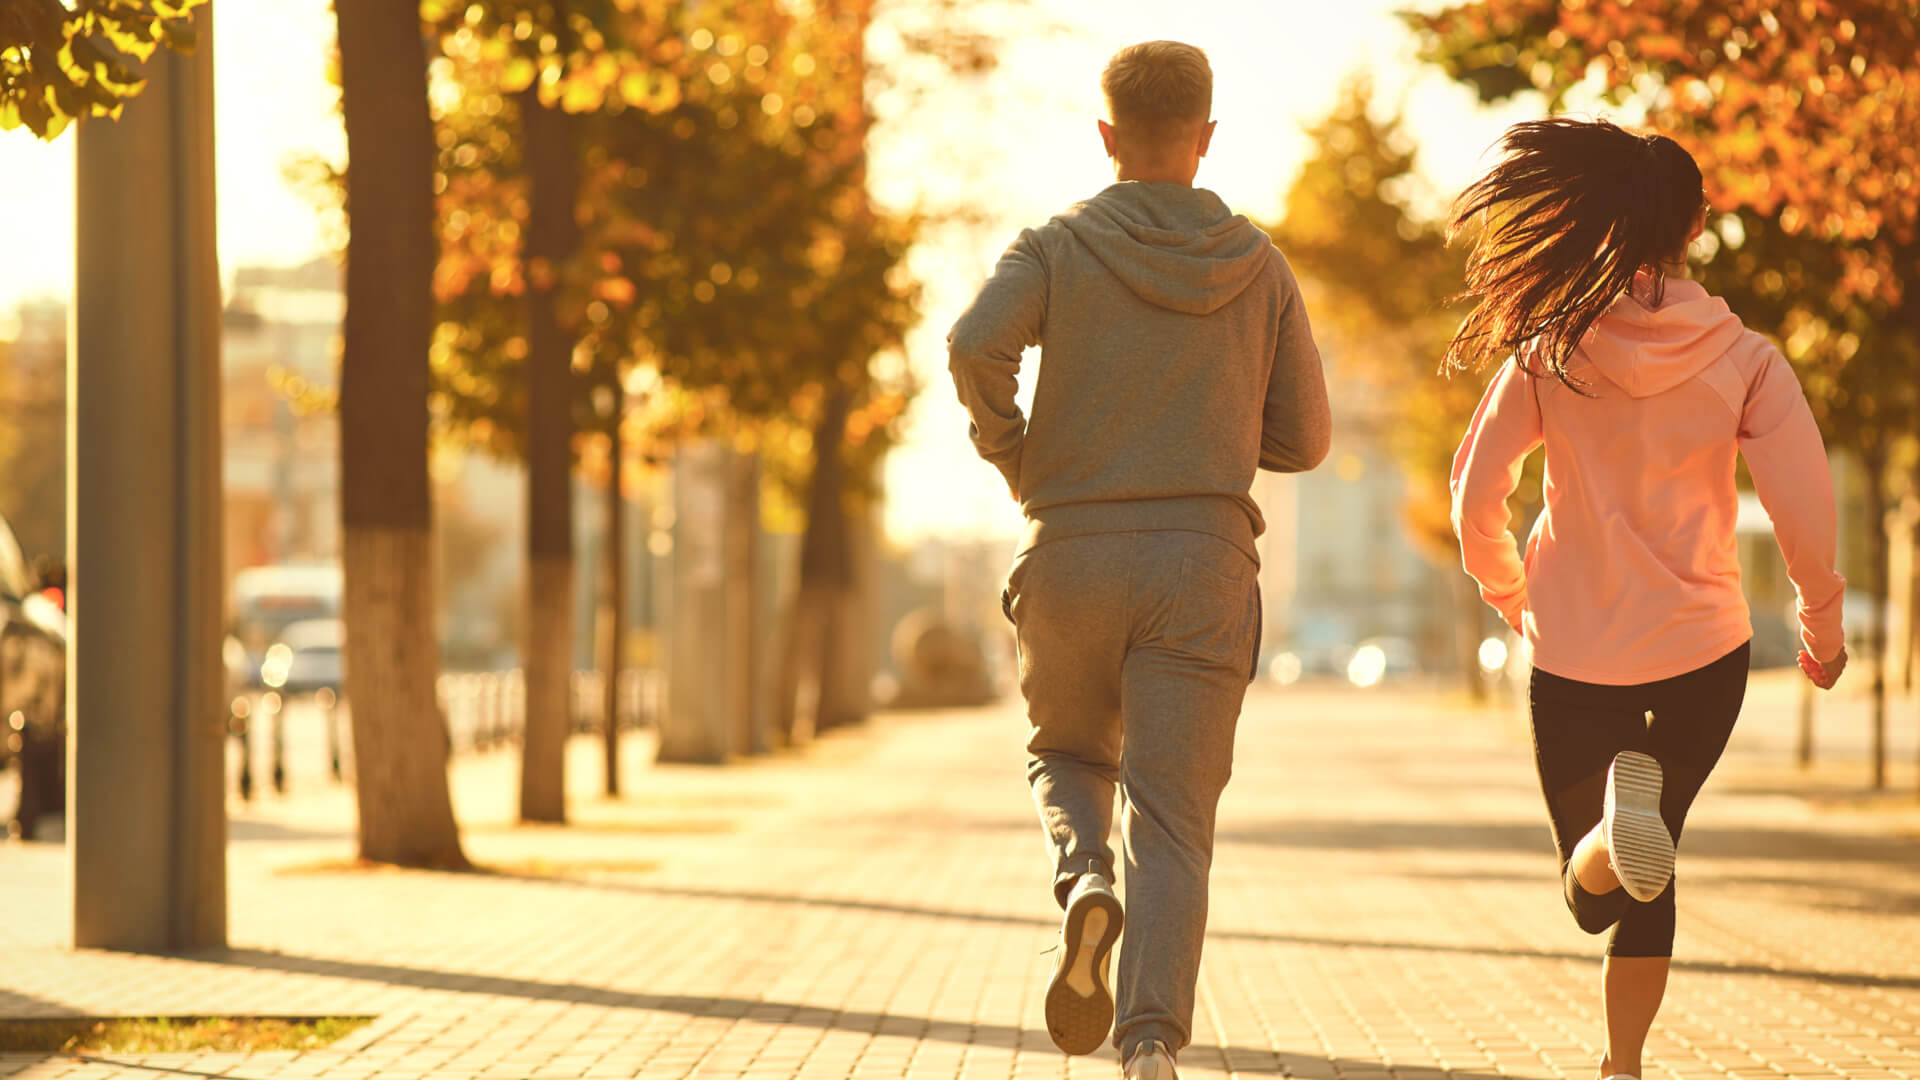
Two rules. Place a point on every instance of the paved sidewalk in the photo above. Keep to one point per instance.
(1384, 905)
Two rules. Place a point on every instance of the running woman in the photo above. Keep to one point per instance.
(1643, 387)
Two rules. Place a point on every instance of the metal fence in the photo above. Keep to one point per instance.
(482, 711)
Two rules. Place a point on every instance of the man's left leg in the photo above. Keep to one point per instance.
(1182, 690)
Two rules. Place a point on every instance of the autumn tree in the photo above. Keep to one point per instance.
(392, 649)
(1802, 118)
(33, 453)
(1351, 229)
(65, 61)
(558, 60)
(729, 247)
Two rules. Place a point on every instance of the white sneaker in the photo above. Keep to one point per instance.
(1638, 844)
(1079, 998)
(1151, 1060)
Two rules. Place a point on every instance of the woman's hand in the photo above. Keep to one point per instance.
(1823, 675)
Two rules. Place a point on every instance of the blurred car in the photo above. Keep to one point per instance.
(33, 687)
(1382, 659)
(264, 602)
(306, 659)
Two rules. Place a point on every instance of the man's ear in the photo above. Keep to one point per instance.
(1107, 138)
(1206, 137)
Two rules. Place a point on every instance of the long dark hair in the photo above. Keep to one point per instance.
(1573, 210)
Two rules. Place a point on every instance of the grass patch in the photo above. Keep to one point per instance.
(174, 1034)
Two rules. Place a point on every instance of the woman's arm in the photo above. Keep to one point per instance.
(1789, 467)
(1486, 469)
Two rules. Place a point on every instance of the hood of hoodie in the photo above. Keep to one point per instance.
(1174, 246)
(1648, 350)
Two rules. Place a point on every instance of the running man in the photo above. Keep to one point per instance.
(1176, 360)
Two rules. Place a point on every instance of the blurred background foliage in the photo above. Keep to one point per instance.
(62, 61)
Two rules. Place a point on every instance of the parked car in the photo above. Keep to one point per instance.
(33, 687)
(306, 659)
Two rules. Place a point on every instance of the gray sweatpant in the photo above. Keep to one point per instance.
(1135, 653)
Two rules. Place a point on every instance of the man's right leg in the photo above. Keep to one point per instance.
(1069, 614)
(1068, 604)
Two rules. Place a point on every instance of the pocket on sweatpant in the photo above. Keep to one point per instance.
(1211, 616)
(1010, 591)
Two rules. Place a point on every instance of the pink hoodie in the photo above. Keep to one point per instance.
(1631, 574)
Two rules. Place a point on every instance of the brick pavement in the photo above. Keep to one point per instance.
(876, 907)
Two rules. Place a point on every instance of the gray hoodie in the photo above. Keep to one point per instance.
(1175, 360)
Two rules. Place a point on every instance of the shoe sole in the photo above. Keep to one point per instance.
(1079, 1001)
(1636, 835)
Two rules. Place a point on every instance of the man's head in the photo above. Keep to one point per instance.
(1159, 104)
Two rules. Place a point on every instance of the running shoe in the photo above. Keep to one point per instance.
(1151, 1060)
(1079, 998)
(1638, 844)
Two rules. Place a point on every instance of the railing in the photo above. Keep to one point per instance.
(482, 711)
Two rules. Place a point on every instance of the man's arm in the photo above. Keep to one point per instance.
(983, 353)
(1297, 424)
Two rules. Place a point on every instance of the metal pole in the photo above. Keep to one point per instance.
(146, 686)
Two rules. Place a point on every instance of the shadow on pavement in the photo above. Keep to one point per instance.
(1793, 845)
(1705, 967)
(15, 1005)
(242, 830)
(1243, 1059)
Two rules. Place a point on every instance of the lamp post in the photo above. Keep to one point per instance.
(146, 687)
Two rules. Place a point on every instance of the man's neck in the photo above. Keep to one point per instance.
(1124, 173)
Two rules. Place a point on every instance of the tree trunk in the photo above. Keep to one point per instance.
(552, 234)
(392, 654)
(1874, 464)
(808, 700)
(1467, 596)
(743, 602)
(1910, 651)
(613, 600)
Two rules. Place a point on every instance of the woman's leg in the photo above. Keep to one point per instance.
(1631, 988)
(1577, 729)
(1693, 716)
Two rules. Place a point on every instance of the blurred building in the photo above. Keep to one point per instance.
(280, 452)
(1337, 564)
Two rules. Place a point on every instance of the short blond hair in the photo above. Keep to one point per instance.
(1158, 89)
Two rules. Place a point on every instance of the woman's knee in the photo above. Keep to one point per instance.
(1593, 912)
(1645, 929)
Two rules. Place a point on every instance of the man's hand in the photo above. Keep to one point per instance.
(1823, 675)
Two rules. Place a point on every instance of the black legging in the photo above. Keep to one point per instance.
(1577, 729)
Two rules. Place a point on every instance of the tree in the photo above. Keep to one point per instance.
(1801, 117)
(559, 60)
(392, 651)
(728, 246)
(1350, 229)
(553, 234)
(33, 453)
(64, 61)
